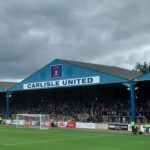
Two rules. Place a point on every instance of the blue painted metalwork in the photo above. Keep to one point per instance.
(2, 89)
(70, 71)
(132, 101)
(8, 95)
(143, 77)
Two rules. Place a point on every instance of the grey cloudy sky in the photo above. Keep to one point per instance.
(35, 32)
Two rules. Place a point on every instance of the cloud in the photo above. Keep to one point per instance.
(35, 32)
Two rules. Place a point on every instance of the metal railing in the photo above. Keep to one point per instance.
(102, 119)
(99, 119)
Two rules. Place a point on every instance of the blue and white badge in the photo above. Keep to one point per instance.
(56, 71)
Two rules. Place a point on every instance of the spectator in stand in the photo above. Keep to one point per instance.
(85, 110)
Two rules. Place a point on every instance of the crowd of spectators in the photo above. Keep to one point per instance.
(86, 111)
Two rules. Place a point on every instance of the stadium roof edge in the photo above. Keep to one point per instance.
(4, 86)
(112, 70)
(143, 77)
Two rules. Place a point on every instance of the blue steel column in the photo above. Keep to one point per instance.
(132, 101)
(7, 104)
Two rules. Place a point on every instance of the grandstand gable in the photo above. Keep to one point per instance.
(73, 73)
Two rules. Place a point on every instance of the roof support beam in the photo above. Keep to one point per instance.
(132, 101)
(8, 103)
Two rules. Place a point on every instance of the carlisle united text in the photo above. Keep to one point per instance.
(60, 83)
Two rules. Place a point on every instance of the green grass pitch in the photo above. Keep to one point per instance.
(12, 138)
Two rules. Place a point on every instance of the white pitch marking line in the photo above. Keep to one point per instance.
(55, 140)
